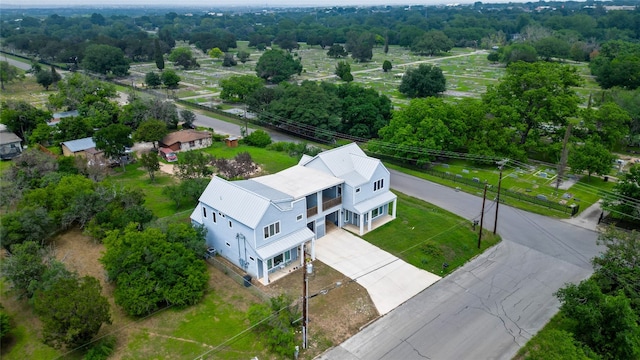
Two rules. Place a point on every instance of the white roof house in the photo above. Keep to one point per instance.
(263, 225)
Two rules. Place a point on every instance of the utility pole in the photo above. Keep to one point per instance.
(495, 223)
(484, 197)
(563, 156)
(305, 295)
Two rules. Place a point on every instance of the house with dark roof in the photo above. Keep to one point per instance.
(263, 225)
(187, 139)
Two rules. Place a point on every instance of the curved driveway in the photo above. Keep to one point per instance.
(490, 307)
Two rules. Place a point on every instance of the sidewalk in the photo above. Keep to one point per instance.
(588, 218)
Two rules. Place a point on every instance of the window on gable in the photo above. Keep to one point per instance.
(213, 216)
(357, 190)
(204, 211)
(271, 229)
(230, 224)
(299, 217)
(379, 184)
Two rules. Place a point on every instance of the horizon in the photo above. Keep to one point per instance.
(27, 4)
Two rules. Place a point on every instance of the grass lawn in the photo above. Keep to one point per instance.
(270, 161)
(545, 344)
(426, 236)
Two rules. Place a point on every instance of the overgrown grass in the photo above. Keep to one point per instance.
(544, 345)
(427, 237)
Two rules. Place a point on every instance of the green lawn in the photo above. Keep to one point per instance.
(427, 236)
(270, 161)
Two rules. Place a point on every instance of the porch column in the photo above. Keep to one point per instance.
(265, 271)
(301, 253)
(319, 199)
(393, 211)
(313, 248)
(370, 221)
(361, 223)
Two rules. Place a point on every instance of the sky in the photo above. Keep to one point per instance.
(238, 3)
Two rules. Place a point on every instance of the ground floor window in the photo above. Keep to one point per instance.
(377, 212)
(278, 260)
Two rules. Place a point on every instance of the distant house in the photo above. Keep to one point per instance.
(10, 144)
(85, 148)
(55, 119)
(263, 224)
(188, 139)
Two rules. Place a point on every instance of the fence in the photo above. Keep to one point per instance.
(504, 192)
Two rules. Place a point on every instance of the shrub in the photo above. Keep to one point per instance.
(258, 138)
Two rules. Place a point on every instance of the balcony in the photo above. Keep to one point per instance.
(328, 204)
(312, 211)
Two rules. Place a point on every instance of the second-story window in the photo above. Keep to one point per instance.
(204, 211)
(379, 184)
(272, 229)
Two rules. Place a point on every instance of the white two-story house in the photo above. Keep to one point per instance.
(262, 225)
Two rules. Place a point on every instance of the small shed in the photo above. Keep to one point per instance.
(231, 141)
(77, 147)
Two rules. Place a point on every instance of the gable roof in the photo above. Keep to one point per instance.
(79, 144)
(348, 162)
(299, 181)
(7, 137)
(183, 136)
(235, 201)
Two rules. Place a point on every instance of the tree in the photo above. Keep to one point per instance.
(286, 40)
(22, 118)
(8, 73)
(151, 162)
(152, 80)
(360, 45)
(151, 130)
(44, 78)
(182, 56)
(426, 80)
(616, 269)
(277, 66)
(343, 71)
(72, 311)
(194, 164)
(518, 52)
(31, 223)
(386, 66)
(215, 53)
(113, 141)
(617, 64)
(431, 43)
(276, 321)
(158, 55)
(552, 47)
(151, 272)
(337, 51)
(24, 267)
(229, 60)
(592, 157)
(170, 79)
(258, 138)
(238, 87)
(609, 122)
(606, 323)
(77, 90)
(363, 110)
(188, 117)
(624, 204)
(243, 56)
(105, 59)
(533, 94)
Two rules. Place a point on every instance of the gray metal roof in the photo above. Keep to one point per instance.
(264, 190)
(285, 243)
(7, 137)
(347, 162)
(299, 181)
(80, 144)
(384, 198)
(235, 201)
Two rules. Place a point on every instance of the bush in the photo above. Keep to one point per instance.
(102, 349)
(258, 138)
(5, 323)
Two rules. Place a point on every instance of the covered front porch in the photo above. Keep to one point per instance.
(371, 213)
(285, 255)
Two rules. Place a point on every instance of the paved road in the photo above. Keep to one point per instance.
(227, 128)
(23, 65)
(490, 307)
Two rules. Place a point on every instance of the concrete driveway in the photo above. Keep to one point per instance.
(389, 280)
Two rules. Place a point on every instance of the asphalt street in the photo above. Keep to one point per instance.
(490, 307)
(226, 128)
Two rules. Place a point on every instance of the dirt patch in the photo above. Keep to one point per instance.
(338, 310)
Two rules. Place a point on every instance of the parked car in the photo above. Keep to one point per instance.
(168, 154)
